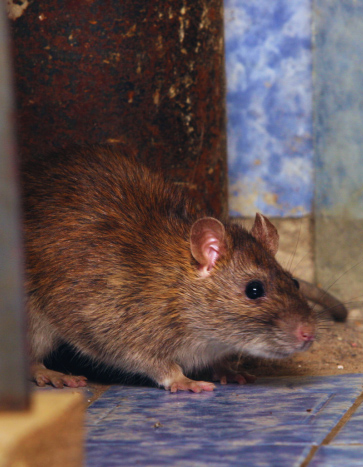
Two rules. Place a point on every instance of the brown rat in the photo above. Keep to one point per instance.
(120, 266)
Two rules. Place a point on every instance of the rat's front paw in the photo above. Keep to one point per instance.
(186, 384)
(42, 376)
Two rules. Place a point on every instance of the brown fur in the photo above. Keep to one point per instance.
(109, 270)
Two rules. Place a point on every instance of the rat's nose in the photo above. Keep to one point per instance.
(305, 333)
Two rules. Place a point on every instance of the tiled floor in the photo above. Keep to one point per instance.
(274, 422)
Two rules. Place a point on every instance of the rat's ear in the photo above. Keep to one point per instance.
(207, 243)
(265, 233)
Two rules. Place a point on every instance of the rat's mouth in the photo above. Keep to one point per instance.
(281, 354)
(305, 346)
(275, 348)
(288, 352)
(300, 347)
(270, 352)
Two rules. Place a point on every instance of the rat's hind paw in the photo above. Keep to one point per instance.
(228, 372)
(42, 376)
(240, 378)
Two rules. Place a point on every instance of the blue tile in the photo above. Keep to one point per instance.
(283, 416)
(334, 456)
(352, 432)
(196, 454)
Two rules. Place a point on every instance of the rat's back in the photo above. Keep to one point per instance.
(94, 219)
(93, 182)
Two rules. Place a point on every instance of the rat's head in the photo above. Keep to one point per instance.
(254, 305)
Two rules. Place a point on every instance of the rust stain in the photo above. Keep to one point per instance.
(92, 71)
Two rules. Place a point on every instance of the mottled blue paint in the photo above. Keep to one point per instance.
(275, 421)
(269, 106)
(338, 104)
(338, 129)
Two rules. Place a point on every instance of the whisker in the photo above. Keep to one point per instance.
(296, 265)
(353, 301)
(343, 274)
(324, 291)
(325, 317)
(297, 242)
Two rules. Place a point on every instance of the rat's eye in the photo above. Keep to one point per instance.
(255, 290)
(296, 282)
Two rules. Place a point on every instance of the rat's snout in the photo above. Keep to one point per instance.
(305, 333)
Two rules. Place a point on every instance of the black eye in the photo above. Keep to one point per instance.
(296, 282)
(255, 290)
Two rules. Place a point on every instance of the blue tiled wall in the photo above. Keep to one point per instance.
(338, 101)
(269, 106)
(338, 129)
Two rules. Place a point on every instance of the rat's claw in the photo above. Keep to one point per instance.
(223, 379)
(247, 378)
(240, 379)
(41, 381)
(74, 381)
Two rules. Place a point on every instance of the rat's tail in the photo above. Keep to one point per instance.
(332, 305)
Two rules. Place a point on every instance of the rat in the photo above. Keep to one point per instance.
(121, 266)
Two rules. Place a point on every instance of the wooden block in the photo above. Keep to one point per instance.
(49, 434)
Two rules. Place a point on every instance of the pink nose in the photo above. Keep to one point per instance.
(305, 333)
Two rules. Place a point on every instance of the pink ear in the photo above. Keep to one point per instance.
(207, 243)
(265, 233)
